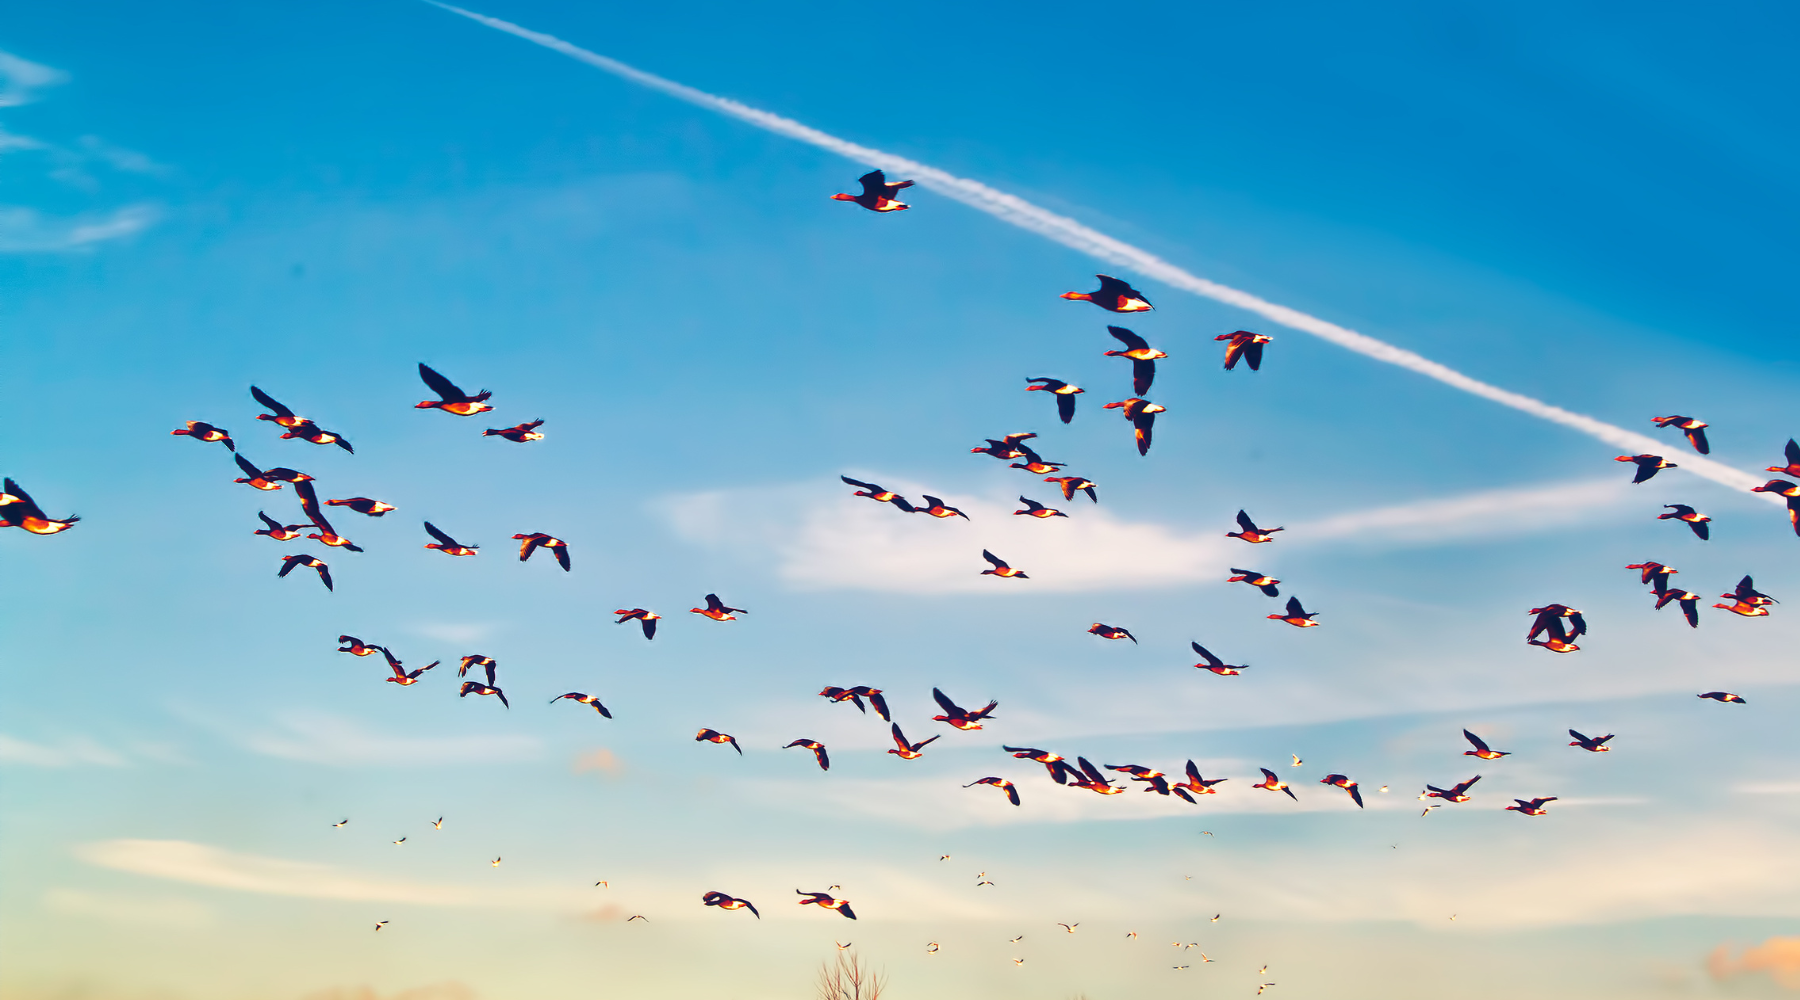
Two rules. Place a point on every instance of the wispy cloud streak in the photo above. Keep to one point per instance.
(1013, 209)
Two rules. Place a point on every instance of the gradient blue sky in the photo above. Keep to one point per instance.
(1591, 204)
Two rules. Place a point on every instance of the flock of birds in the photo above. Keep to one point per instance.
(1554, 627)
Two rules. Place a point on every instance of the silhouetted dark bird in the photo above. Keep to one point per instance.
(1592, 744)
(714, 736)
(1061, 771)
(1694, 429)
(1011, 790)
(903, 748)
(818, 752)
(1005, 448)
(1691, 517)
(294, 426)
(824, 900)
(1792, 468)
(1791, 491)
(1215, 664)
(877, 194)
(1246, 345)
(1064, 392)
(878, 494)
(278, 531)
(451, 399)
(960, 717)
(310, 562)
(1266, 584)
(1142, 414)
(1000, 567)
(1647, 466)
(646, 618)
(200, 430)
(725, 902)
(537, 539)
(717, 611)
(518, 433)
(1249, 532)
(447, 545)
(1143, 358)
(585, 699)
(1113, 295)
(1724, 697)
(476, 687)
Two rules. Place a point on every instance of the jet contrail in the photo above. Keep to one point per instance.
(1072, 234)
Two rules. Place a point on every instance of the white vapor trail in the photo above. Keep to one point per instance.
(1072, 234)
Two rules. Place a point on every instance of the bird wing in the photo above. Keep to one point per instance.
(1269, 775)
(1092, 772)
(880, 704)
(324, 574)
(996, 560)
(309, 504)
(1580, 737)
(871, 487)
(1294, 609)
(1012, 792)
(874, 184)
(1210, 659)
(899, 737)
(529, 545)
(1253, 354)
(1355, 795)
(439, 384)
(1475, 741)
(269, 402)
(1463, 786)
(1065, 406)
(949, 707)
(273, 524)
(249, 470)
(1110, 285)
(1697, 437)
(443, 539)
(1031, 505)
(713, 603)
(1143, 373)
(1244, 521)
(649, 627)
(1132, 341)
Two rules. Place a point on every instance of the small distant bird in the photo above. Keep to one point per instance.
(943, 857)
(1647, 466)
(1246, 345)
(958, 716)
(1782, 487)
(1061, 771)
(263, 479)
(447, 545)
(1215, 664)
(877, 194)
(296, 426)
(1038, 510)
(200, 430)
(714, 736)
(1018, 961)
(724, 902)
(1000, 567)
(452, 399)
(1592, 744)
(1015, 940)
(437, 824)
(1482, 750)
(1531, 807)
(855, 695)
(1689, 601)
(1111, 632)
(537, 539)
(585, 699)
(310, 562)
(931, 947)
(1197, 785)
(486, 663)
(1113, 295)
(1458, 792)
(339, 823)
(824, 900)
(818, 752)
(910, 751)
(637, 916)
(1143, 358)
(878, 494)
(1273, 784)
(1069, 484)
(1792, 468)
(1723, 697)
(1005, 448)
(937, 508)
(1068, 927)
(844, 945)
(1131, 935)
(518, 433)
(1266, 584)
(1346, 784)
(1012, 791)
(363, 505)
(1694, 429)
(495, 863)
(717, 611)
(1296, 615)
(1655, 574)
(1249, 532)
(1142, 414)
(402, 840)
(1064, 392)
(379, 924)
(402, 676)
(278, 531)
(1036, 464)
(474, 687)
(1693, 518)
(647, 618)
(1297, 761)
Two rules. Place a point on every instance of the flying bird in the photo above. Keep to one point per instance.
(1342, 781)
(1249, 532)
(1197, 785)
(1746, 593)
(310, 562)
(1113, 295)
(363, 505)
(452, 399)
(1552, 612)
(537, 539)
(1064, 392)
(877, 194)
(200, 430)
(402, 676)
(937, 508)
(278, 531)
(1694, 429)
(379, 924)
(1556, 640)
(1723, 697)
(1266, 584)
(818, 752)
(1458, 792)
(906, 750)
(646, 618)
(714, 736)
(518, 433)
(1142, 414)
(717, 611)
(1296, 615)
(1246, 345)
(1216, 665)
(1792, 468)
(1154, 780)
(855, 695)
(1143, 358)
(1592, 744)
(585, 699)
(1693, 518)
(264, 479)
(724, 902)
(1000, 567)
(1647, 466)
(1273, 784)
(1034, 463)
(878, 494)
(339, 824)
(447, 545)
(1038, 510)
(475, 687)
(1791, 491)
(1297, 761)
(824, 900)
(960, 717)
(294, 426)
(356, 647)
(1655, 574)
(1005, 448)
(1531, 807)
(1011, 790)
(1061, 771)
(1482, 750)
(1068, 927)
(1111, 632)
(486, 663)
(1069, 484)
(309, 504)
(437, 824)
(1689, 601)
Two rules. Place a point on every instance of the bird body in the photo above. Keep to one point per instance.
(310, 562)
(960, 717)
(586, 699)
(714, 736)
(1296, 615)
(646, 618)
(1000, 568)
(937, 508)
(278, 531)
(1691, 517)
(1343, 781)
(1111, 632)
(294, 426)
(1060, 769)
(1791, 491)
(1113, 295)
(1142, 414)
(1266, 584)
(1592, 744)
(1723, 697)
(200, 430)
(404, 677)
(475, 687)
(1196, 784)
(878, 494)
(1482, 750)
(717, 611)
(1271, 783)
(447, 545)
(1142, 356)
(1005, 448)
(1695, 430)
(1792, 468)
(1245, 345)
(855, 695)
(356, 647)
(1216, 665)
(1011, 790)
(1458, 792)
(725, 902)
(1069, 484)
(363, 505)
(1249, 532)
(536, 540)
(907, 750)
(1647, 466)
(1064, 392)
(451, 399)
(518, 433)
(877, 194)
(1531, 807)
(1038, 510)
(826, 901)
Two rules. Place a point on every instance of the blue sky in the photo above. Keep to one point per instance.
(1587, 205)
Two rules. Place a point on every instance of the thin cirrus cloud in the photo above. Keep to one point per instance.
(21, 79)
(72, 751)
(203, 864)
(321, 738)
(26, 230)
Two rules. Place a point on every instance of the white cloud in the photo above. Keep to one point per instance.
(21, 79)
(320, 738)
(73, 751)
(26, 230)
(1508, 511)
(201, 864)
(146, 911)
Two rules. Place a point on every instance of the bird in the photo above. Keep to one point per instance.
(452, 399)
(379, 924)
(1723, 697)
(1342, 781)
(356, 647)
(537, 539)
(844, 946)
(1792, 468)
(1296, 615)
(475, 687)
(1015, 940)
(447, 545)
(877, 194)
(937, 508)
(1036, 464)
(437, 824)
(585, 699)
(1458, 792)
(1011, 790)
(1038, 510)
(855, 695)
(1693, 518)
(1482, 750)
(724, 902)
(1531, 807)
(646, 618)
(486, 663)
(1068, 927)
(518, 433)
(1552, 612)
(1246, 345)
(1069, 484)
(1791, 491)
(340, 823)
(402, 840)
(1060, 770)
(1000, 567)
(1197, 785)
(1005, 448)
(294, 426)
(717, 611)
(363, 505)
(909, 751)
(1266, 584)
(825, 900)
(1647, 466)
(931, 947)
(1215, 664)
(818, 752)
(1744, 608)
(1064, 392)
(1143, 358)
(1142, 414)
(310, 562)
(309, 504)
(1111, 632)
(1654, 573)
(1018, 961)
(1297, 761)
(1555, 639)
(278, 531)
(1746, 593)
(1154, 780)
(1113, 295)
(200, 430)
(1131, 935)
(878, 494)
(402, 676)
(1249, 532)
(1592, 744)
(958, 716)
(1273, 784)
(261, 479)
(1694, 429)
(637, 916)
(714, 736)
(1689, 601)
